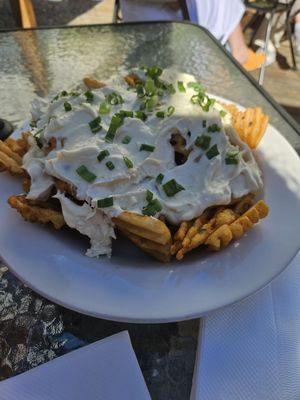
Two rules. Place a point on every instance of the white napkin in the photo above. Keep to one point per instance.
(105, 370)
(251, 350)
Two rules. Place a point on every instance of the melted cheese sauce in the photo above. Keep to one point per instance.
(206, 182)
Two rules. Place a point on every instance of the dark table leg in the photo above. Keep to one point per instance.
(14, 4)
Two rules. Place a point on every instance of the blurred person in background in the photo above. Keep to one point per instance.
(220, 17)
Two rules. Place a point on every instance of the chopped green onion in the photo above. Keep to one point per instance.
(203, 142)
(126, 114)
(126, 140)
(32, 124)
(85, 174)
(150, 88)
(102, 155)
(214, 128)
(106, 202)
(212, 152)
(154, 72)
(152, 208)
(160, 92)
(67, 106)
(203, 100)
(128, 162)
(140, 91)
(74, 94)
(160, 114)
(172, 187)
(104, 108)
(222, 113)
(89, 96)
(204, 123)
(171, 89)
(149, 196)
(159, 178)
(141, 115)
(110, 165)
(196, 86)
(181, 87)
(115, 123)
(231, 157)
(147, 147)
(151, 102)
(95, 125)
(170, 111)
(114, 98)
(64, 93)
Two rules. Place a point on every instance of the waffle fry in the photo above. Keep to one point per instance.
(35, 213)
(158, 251)
(19, 146)
(10, 164)
(92, 83)
(222, 236)
(145, 227)
(250, 124)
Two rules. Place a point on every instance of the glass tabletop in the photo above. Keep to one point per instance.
(44, 61)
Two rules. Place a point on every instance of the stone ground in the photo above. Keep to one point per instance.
(281, 81)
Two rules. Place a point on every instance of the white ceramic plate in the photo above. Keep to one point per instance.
(131, 286)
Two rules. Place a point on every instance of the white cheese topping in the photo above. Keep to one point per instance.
(205, 181)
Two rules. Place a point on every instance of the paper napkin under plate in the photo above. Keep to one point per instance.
(105, 370)
(251, 350)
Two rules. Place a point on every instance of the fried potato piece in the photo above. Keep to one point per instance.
(159, 251)
(35, 213)
(145, 227)
(250, 124)
(92, 83)
(10, 164)
(19, 146)
(5, 149)
(222, 236)
(65, 187)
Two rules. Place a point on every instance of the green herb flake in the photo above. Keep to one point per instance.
(203, 142)
(149, 87)
(147, 147)
(85, 174)
(159, 178)
(231, 158)
(114, 98)
(222, 113)
(140, 91)
(212, 152)
(115, 123)
(128, 162)
(214, 128)
(171, 89)
(172, 187)
(110, 165)
(126, 114)
(160, 114)
(149, 196)
(127, 139)
(95, 125)
(102, 155)
(154, 72)
(181, 87)
(152, 208)
(104, 108)
(32, 124)
(204, 122)
(106, 202)
(141, 115)
(67, 106)
(151, 102)
(89, 96)
(196, 86)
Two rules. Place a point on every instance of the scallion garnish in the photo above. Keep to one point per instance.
(114, 98)
(85, 174)
(151, 102)
(115, 123)
(159, 178)
(160, 114)
(67, 106)
(106, 202)
(204, 123)
(147, 147)
(203, 142)
(212, 152)
(172, 187)
(32, 124)
(95, 125)
(125, 114)
(127, 139)
(231, 157)
(152, 208)
(141, 115)
(140, 91)
(181, 87)
(171, 89)
(222, 113)
(64, 93)
(203, 100)
(150, 88)
(196, 86)
(153, 72)
(102, 155)
(104, 108)
(214, 128)
(149, 196)
(110, 165)
(170, 111)
(128, 162)
(89, 96)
